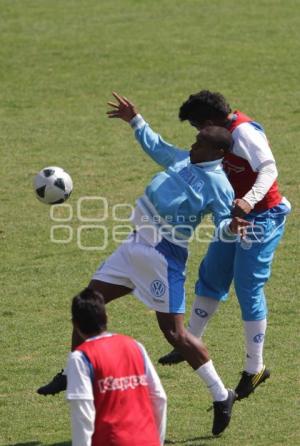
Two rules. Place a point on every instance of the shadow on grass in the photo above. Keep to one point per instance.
(196, 441)
(65, 443)
(38, 443)
(29, 443)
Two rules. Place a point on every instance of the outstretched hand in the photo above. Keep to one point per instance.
(124, 109)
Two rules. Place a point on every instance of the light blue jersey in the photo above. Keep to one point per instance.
(152, 261)
(183, 193)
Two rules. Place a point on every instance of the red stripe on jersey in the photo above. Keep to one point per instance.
(241, 175)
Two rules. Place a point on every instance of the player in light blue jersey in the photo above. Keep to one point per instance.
(151, 262)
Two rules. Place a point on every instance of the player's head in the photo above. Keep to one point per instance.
(88, 312)
(205, 108)
(211, 143)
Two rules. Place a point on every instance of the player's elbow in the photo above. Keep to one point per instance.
(273, 170)
(269, 169)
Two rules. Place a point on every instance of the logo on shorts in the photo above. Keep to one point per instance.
(200, 312)
(158, 288)
(259, 338)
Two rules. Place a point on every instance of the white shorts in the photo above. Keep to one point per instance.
(156, 274)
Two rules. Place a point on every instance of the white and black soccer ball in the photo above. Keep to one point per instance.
(53, 185)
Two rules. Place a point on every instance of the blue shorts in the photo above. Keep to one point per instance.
(247, 263)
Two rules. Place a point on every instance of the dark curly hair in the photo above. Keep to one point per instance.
(88, 312)
(204, 106)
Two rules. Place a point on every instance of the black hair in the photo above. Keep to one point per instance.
(204, 106)
(218, 137)
(88, 312)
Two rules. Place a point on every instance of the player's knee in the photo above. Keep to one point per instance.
(176, 338)
(253, 309)
(181, 339)
(250, 315)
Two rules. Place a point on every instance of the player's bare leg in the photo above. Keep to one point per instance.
(202, 311)
(110, 292)
(192, 349)
(196, 354)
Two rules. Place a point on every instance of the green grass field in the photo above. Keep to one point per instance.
(59, 61)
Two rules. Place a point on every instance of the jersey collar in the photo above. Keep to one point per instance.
(210, 165)
(106, 334)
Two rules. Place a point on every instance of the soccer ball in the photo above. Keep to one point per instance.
(53, 185)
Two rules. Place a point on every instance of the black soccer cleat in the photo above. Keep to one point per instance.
(222, 413)
(174, 357)
(249, 382)
(56, 385)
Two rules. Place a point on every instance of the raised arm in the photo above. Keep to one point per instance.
(152, 143)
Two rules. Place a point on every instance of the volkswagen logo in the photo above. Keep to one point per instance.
(158, 288)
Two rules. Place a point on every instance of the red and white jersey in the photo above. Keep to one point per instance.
(124, 414)
(250, 152)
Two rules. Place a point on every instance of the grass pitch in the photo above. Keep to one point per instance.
(59, 60)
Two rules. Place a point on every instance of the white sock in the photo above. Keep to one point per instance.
(202, 311)
(214, 383)
(254, 338)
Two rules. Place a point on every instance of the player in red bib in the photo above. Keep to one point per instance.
(115, 394)
(251, 170)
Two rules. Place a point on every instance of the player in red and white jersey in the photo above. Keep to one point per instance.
(251, 166)
(252, 172)
(115, 394)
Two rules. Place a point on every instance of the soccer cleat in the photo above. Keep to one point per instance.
(249, 382)
(56, 385)
(174, 357)
(222, 413)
